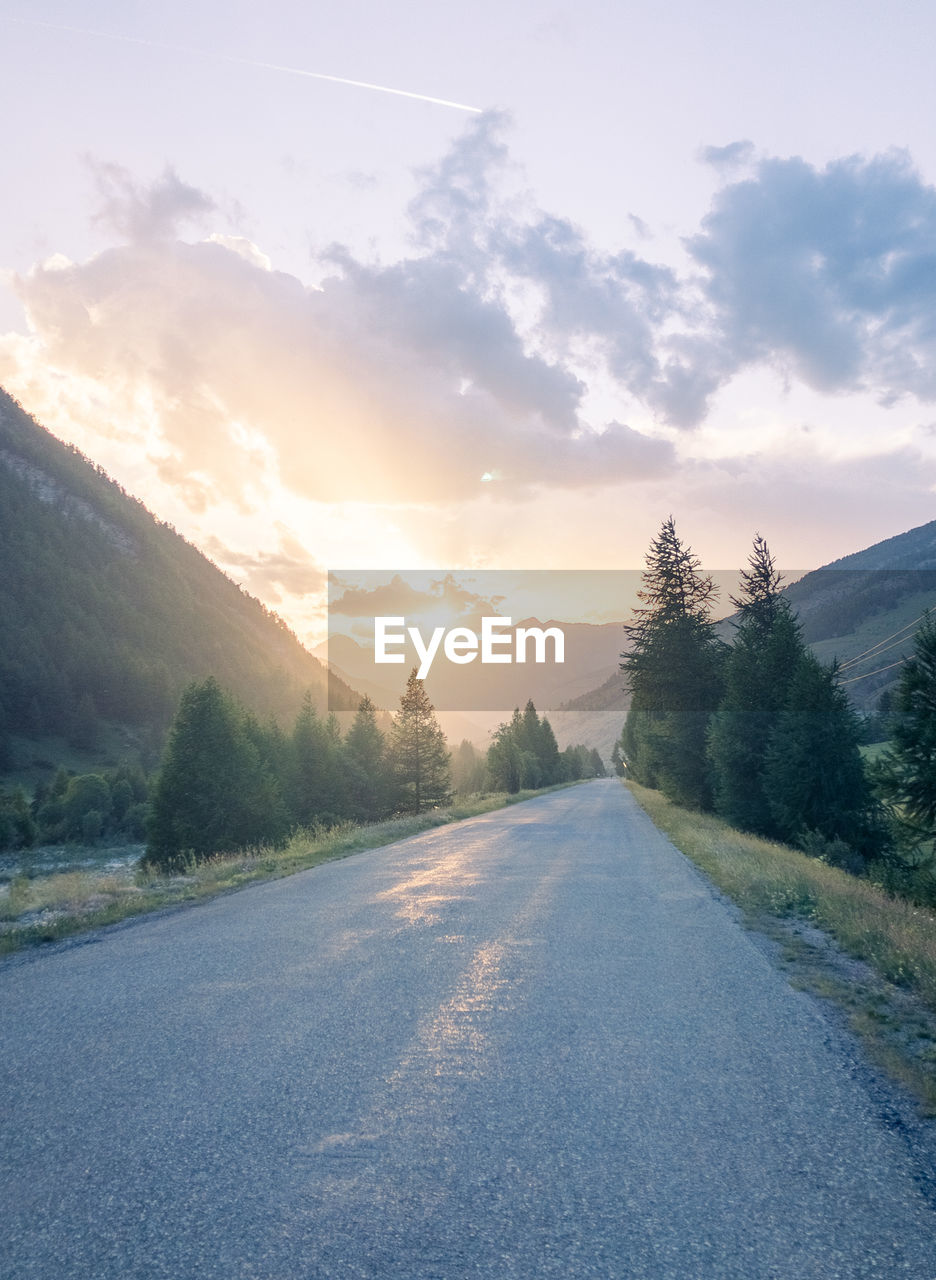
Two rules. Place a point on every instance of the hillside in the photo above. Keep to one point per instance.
(106, 614)
(861, 610)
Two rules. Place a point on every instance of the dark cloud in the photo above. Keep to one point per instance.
(827, 274)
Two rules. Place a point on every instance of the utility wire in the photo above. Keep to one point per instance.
(867, 652)
(877, 672)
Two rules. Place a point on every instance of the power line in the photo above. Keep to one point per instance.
(877, 672)
(851, 661)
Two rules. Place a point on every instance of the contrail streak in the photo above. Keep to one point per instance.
(244, 62)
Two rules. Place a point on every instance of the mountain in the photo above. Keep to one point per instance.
(106, 614)
(860, 611)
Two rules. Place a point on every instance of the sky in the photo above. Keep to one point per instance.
(585, 268)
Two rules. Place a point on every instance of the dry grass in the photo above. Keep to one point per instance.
(43, 908)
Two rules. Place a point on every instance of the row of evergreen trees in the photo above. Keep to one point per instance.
(524, 754)
(758, 731)
(228, 782)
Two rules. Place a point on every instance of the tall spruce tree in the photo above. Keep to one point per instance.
(767, 647)
(674, 670)
(315, 775)
(366, 749)
(906, 775)
(814, 778)
(210, 795)
(419, 757)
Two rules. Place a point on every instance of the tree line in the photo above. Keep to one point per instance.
(82, 808)
(758, 731)
(228, 782)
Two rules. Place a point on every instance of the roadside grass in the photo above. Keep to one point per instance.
(880, 965)
(46, 908)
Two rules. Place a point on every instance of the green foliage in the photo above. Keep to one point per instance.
(106, 614)
(116, 801)
(419, 758)
(368, 786)
(315, 775)
(524, 754)
(469, 773)
(906, 774)
(581, 762)
(213, 793)
(767, 648)
(814, 778)
(17, 826)
(674, 670)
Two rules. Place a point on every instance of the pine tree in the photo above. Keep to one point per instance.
(767, 647)
(418, 754)
(906, 775)
(468, 769)
(366, 749)
(209, 795)
(548, 752)
(674, 670)
(814, 778)
(505, 759)
(316, 777)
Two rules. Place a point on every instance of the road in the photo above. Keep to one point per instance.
(534, 1044)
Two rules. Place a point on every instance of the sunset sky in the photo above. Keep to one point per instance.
(634, 260)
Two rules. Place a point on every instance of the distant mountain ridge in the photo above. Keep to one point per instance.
(106, 613)
(860, 611)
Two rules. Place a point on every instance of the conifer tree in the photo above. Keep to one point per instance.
(906, 775)
(365, 749)
(767, 647)
(548, 752)
(814, 778)
(208, 797)
(418, 754)
(468, 769)
(505, 759)
(674, 670)
(315, 775)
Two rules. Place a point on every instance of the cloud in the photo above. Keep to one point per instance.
(465, 367)
(395, 384)
(289, 571)
(826, 274)
(400, 596)
(145, 213)
(733, 156)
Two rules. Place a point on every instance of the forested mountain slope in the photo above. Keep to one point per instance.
(106, 613)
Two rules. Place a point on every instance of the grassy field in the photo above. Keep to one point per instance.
(37, 908)
(842, 937)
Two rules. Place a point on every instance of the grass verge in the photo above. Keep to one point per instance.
(839, 936)
(46, 908)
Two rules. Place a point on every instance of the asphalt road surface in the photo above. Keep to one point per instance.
(531, 1045)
